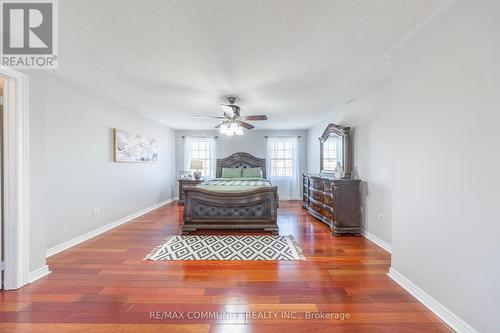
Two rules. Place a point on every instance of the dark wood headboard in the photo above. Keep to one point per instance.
(240, 160)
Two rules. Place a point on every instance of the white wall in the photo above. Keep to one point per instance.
(370, 119)
(253, 142)
(72, 169)
(445, 90)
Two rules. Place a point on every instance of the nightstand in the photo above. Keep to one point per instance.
(187, 182)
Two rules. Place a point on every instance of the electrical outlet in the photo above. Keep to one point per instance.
(97, 210)
(361, 210)
(381, 217)
(117, 204)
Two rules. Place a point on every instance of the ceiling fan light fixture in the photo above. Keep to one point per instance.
(223, 129)
(233, 123)
(231, 129)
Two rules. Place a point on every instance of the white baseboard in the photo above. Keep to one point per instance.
(451, 319)
(38, 273)
(75, 241)
(383, 244)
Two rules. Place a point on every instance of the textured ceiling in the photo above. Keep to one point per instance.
(292, 60)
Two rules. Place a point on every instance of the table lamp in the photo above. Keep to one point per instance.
(196, 165)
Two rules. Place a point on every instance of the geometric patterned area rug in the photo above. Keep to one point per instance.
(228, 247)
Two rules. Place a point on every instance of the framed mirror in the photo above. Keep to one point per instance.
(334, 147)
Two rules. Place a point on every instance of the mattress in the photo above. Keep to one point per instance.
(234, 184)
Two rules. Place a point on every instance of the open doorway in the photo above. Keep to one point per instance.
(14, 243)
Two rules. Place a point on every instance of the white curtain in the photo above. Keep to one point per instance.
(206, 151)
(288, 186)
(213, 157)
(188, 148)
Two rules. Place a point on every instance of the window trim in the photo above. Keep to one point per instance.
(271, 159)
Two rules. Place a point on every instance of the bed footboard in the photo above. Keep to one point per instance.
(249, 210)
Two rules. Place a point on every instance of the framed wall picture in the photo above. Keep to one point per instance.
(134, 148)
(186, 175)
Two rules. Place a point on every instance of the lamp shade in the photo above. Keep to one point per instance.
(196, 165)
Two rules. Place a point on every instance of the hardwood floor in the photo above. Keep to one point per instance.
(103, 285)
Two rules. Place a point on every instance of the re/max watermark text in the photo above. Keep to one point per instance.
(250, 315)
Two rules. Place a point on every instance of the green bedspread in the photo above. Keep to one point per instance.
(234, 184)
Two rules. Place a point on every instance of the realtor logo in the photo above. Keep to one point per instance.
(29, 34)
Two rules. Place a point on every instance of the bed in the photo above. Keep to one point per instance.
(232, 204)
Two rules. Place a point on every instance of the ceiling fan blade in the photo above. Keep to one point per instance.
(210, 117)
(255, 117)
(218, 126)
(245, 125)
(228, 109)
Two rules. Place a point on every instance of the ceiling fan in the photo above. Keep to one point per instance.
(233, 122)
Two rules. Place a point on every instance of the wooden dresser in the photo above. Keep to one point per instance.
(334, 202)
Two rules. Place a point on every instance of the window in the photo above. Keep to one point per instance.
(282, 160)
(201, 149)
(281, 157)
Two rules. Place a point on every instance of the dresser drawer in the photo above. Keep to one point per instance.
(315, 207)
(305, 199)
(317, 196)
(327, 214)
(328, 199)
(316, 185)
(327, 187)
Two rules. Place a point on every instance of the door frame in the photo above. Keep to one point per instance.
(16, 178)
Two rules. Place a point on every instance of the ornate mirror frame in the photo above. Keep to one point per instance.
(342, 132)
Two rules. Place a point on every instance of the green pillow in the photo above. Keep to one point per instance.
(231, 173)
(252, 173)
